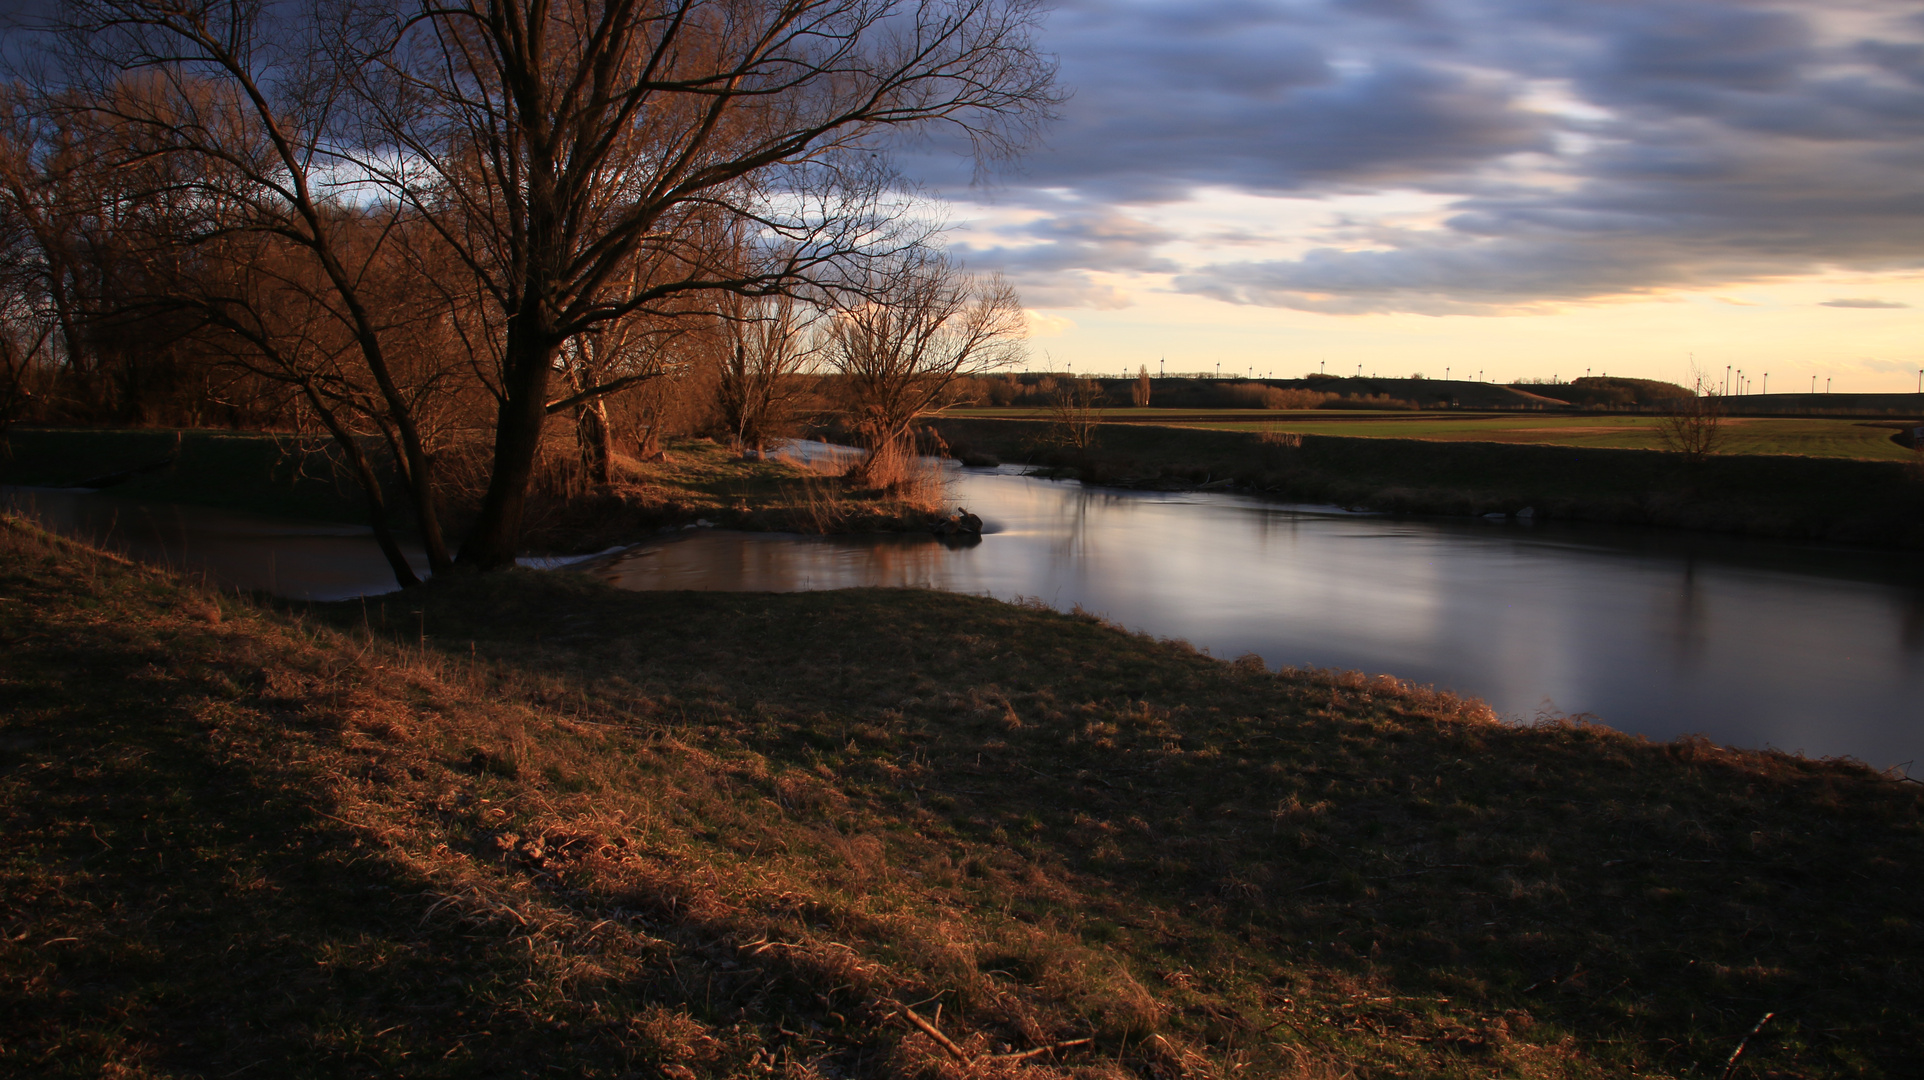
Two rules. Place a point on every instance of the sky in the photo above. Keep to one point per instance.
(1505, 189)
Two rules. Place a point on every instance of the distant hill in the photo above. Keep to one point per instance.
(1034, 389)
(1608, 391)
(1328, 391)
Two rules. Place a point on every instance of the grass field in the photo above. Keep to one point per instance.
(524, 825)
(1744, 435)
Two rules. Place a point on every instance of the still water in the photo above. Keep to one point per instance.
(298, 559)
(1752, 643)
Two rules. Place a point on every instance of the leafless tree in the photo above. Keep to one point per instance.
(270, 315)
(249, 97)
(564, 147)
(1694, 427)
(1139, 393)
(899, 353)
(766, 344)
(1074, 412)
(575, 158)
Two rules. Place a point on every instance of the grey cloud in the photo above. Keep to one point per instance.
(1723, 210)
(1092, 237)
(1739, 143)
(1400, 123)
(1052, 273)
(1414, 11)
(1862, 302)
(1071, 290)
(1711, 44)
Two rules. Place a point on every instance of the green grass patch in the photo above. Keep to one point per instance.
(1841, 438)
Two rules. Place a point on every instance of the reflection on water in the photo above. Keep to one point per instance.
(1752, 643)
(303, 560)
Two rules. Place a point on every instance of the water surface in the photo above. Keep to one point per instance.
(1752, 643)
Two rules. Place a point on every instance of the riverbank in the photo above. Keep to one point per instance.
(1874, 503)
(523, 822)
(288, 476)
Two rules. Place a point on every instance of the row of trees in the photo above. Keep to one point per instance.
(433, 226)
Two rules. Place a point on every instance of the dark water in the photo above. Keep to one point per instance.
(1799, 647)
(1753, 643)
(303, 560)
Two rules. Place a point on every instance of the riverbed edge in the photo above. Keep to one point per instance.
(1864, 503)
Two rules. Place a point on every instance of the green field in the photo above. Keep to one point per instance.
(1870, 439)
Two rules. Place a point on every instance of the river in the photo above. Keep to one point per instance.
(1753, 643)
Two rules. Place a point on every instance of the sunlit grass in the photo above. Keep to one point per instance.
(1743, 435)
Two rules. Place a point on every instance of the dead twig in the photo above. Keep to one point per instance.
(935, 1033)
(1731, 1065)
(1024, 1055)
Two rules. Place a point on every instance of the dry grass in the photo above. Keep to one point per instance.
(524, 823)
(700, 480)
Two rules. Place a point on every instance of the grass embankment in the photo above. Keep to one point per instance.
(293, 477)
(527, 824)
(1842, 438)
(1878, 503)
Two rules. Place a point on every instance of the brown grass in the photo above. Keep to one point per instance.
(700, 480)
(525, 823)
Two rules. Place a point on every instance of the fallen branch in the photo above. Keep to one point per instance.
(1040, 1050)
(935, 1033)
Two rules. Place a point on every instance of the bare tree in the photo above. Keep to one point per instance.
(249, 96)
(1074, 412)
(766, 344)
(898, 354)
(1139, 393)
(1694, 426)
(559, 145)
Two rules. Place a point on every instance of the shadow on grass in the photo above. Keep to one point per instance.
(546, 825)
(1400, 880)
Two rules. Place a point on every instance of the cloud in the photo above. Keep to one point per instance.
(1076, 237)
(1041, 324)
(1584, 150)
(1862, 302)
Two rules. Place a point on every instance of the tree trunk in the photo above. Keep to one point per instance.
(595, 440)
(370, 486)
(529, 358)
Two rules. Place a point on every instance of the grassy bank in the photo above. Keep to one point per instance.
(1878, 503)
(526, 824)
(293, 477)
(1808, 437)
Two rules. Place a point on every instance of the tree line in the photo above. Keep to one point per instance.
(435, 229)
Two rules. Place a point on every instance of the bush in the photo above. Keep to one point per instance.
(1261, 396)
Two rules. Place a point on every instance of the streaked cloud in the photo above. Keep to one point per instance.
(1578, 151)
(1862, 302)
